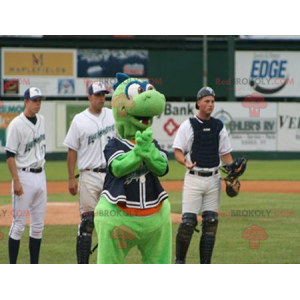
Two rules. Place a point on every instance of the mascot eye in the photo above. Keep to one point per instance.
(150, 87)
(134, 90)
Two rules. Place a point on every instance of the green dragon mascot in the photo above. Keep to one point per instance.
(134, 209)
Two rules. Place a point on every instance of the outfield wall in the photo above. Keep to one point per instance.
(272, 132)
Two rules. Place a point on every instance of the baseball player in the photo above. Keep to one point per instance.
(87, 137)
(199, 144)
(25, 151)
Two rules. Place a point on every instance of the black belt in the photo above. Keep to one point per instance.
(38, 170)
(98, 170)
(204, 174)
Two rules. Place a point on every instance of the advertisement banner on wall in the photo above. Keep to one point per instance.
(18, 62)
(49, 69)
(289, 127)
(273, 128)
(249, 131)
(246, 132)
(106, 63)
(268, 73)
(67, 72)
(82, 84)
(11, 109)
(165, 127)
(8, 111)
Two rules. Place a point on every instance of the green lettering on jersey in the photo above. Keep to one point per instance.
(35, 141)
(93, 137)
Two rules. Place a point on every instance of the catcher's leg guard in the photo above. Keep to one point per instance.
(84, 238)
(209, 230)
(184, 236)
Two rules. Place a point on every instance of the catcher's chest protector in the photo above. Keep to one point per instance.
(205, 148)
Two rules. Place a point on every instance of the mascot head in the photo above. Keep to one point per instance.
(134, 104)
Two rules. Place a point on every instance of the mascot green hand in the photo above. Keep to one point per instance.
(144, 143)
(132, 192)
(146, 149)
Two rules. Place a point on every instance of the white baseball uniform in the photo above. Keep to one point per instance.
(200, 192)
(27, 142)
(88, 136)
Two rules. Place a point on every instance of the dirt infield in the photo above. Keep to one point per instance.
(284, 187)
(57, 214)
(68, 213)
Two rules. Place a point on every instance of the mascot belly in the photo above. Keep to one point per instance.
(134, 209)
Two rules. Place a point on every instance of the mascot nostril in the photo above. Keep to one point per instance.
(132, 188)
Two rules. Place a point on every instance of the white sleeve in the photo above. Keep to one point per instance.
(12, 138)
(224, 145)
(183, 138)
(72, 139)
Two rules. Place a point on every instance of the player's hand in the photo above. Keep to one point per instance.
(188, 164)
(73, 186)
(18, 190)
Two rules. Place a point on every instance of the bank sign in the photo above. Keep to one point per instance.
(268, 73)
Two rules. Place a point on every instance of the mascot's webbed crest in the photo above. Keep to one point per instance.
(120, 77)
(135, 102)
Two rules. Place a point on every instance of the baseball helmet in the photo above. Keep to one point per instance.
(205, 91)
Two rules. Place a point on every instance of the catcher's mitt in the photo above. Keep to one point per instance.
(233, 171)
(237, 168)
(232, 186)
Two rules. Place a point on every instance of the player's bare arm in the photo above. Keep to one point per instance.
(73, 185)
(227, 158)
(182, 160)
(18, 190)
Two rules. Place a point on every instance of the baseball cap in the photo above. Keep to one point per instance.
(97, 88)
(32, 93)
(205, 91)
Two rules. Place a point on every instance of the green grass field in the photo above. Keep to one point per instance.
(256, 170)
(281, 246)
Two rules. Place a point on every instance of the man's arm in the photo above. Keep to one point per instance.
(182, 160)
(71, 160)
(18, 190)
(227, 158)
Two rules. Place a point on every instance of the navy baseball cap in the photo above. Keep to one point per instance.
(33, 93)
(205, 91)
(97, 88)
